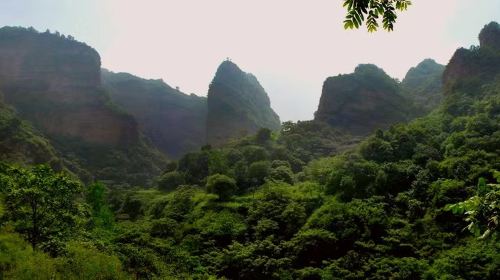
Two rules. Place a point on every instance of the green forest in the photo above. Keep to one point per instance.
(310, 200)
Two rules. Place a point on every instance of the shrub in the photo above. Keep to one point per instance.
(170, 180)
(222, 185)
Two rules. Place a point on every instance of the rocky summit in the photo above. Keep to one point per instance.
(477, 63)
(422, 84)
(53, 83)
(361, 102)
(237, 105)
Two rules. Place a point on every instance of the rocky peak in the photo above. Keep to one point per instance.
(54, 82)
(237, 105)
(54, 60)
(423, 85)
(428, 66)
(228, 72)
(363, 101)
(489, 37)
(477, 63)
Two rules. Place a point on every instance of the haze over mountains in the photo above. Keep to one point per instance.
(93, 121)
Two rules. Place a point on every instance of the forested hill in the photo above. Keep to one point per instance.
(417, 200)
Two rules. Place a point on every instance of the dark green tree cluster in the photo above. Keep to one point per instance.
(48, 224)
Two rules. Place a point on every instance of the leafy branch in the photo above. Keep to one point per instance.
(482, 210)
(373, 12)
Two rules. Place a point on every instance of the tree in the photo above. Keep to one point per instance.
(170, 180)
(96, 198)
(222, 185)
(482, 210)
(263, 135)
(43, 206)
(258, 171)
(282, 173)
(371, 11)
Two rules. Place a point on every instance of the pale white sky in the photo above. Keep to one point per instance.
(291, 46)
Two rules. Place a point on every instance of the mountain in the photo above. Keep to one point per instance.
(361, 102)
(54, 83)
(473, 66)
(237, 105)
(174, 122)
(423, 85)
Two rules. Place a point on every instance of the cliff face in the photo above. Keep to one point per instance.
(237, 105)
(54, 83)
(175, 122)
(423, 85)
(477, 64)
(361, 102)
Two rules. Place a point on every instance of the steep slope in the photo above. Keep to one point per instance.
(21, 143)
(361, 102)
(423, 85)
(237, 105)
(175, 122)
(54, 82)
(473, 66)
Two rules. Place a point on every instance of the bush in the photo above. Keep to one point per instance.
(258, 171)
(282, 173)
(170, 181)
(221, 185)
(19, 261)
(164, 227)
(86, 262)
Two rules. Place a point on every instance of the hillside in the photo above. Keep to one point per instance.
(237, 105)
(175, 122)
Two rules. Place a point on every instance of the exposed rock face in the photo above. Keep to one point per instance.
(55, 83)
(477, 63)
(361, 102)
(175, 122)
(423, 85)
(489, 37)
(237, 105)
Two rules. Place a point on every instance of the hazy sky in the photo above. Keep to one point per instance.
(290, 45)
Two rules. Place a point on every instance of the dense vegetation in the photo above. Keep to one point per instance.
(255, 211)
(20, 142)
(415, 201)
